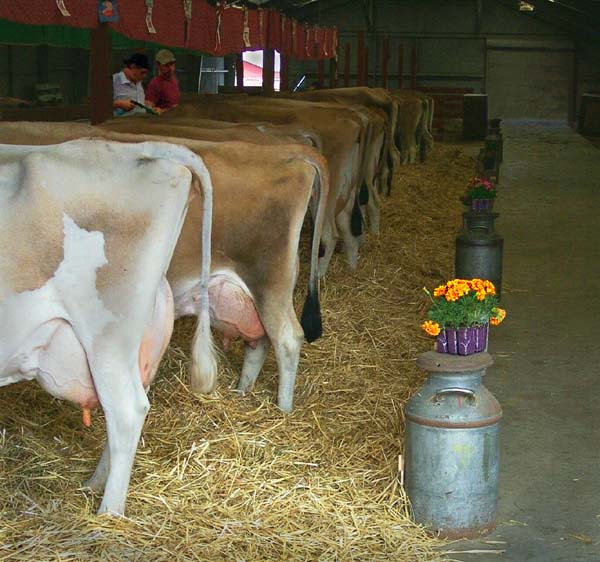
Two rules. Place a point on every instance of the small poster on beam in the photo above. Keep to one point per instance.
(107, 10)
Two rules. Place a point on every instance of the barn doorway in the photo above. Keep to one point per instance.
(253, 65)
(528, 82)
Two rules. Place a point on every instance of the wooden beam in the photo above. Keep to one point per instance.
(239, 71)
(321, 73)
(347, 66)
(385, 58)
(361, 58)
(268, 71)
(100, 76)
(284, 73)
(400, 64)
(366, 66)
(333, 73)
(413, 67)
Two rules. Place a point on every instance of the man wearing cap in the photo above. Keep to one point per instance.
(163, 90)
(127, 85)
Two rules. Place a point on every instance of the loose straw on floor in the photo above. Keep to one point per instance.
(229, 478)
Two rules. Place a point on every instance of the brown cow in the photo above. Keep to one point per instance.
(340, 134)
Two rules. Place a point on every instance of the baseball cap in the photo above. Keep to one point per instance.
(164, 56)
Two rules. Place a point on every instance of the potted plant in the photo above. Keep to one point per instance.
(481, 193)
(459, 315)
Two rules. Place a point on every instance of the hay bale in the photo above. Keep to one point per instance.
(229, 478)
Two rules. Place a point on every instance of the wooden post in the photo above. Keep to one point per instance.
(333, 73)
(268, 71)
(239, 71)
(414, 68)
(385, 57)
(361, 59)
(100, 76)
(366, 67)
(321, 73)
(400, 65)
(284, 73)
(347, 66)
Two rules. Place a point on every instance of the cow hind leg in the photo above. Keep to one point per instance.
(351, 242)
(328, 242)
(253, 361)
(374, 211)
(286, 336)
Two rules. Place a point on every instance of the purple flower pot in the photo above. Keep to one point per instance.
(482, 205)
(462, 341)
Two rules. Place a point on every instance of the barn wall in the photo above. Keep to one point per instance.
(24, 66)
(454, 42)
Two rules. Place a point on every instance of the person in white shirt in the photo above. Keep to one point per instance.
(127, 85)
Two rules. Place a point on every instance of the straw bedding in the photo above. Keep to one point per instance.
(230, 478)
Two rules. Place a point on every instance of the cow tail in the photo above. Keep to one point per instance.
(311, 312)
(203, 371)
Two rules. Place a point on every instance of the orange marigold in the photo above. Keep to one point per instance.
(439, 291)
(489, 287)
(499, 315)
(432, 328)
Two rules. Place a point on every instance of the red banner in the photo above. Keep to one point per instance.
(216, 30)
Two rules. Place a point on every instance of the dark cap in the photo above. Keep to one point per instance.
(141, 61)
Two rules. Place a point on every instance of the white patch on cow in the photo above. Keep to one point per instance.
(70, 294)
(76, 277)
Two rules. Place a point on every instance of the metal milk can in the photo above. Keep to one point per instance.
(494, 132)
(479, 249)
(452, 447)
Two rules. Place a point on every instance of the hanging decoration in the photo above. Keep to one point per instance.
(149, 24)
(218, 32)
(60, 4)
(187, 12)
(261, 41)
(307, 40)
(107, 10)
(246, 31)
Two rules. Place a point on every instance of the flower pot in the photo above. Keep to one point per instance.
(482, 205)
(462, 341)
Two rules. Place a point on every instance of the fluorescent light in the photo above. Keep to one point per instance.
(526, 7)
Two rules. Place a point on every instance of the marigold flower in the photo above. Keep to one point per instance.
(432, 328)
(489, 287)
(439, 291)
(499, 316)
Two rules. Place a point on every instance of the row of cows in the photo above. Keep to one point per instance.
(108, 238)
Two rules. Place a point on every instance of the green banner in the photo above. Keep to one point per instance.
(73, 37)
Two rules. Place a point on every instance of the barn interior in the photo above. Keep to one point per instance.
(224, 478)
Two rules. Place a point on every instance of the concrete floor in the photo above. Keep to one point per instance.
(547, 353)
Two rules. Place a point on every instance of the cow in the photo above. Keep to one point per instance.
(261, 196)
(340, 133)
(415, 116)
(372, 98)
(87, 231)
